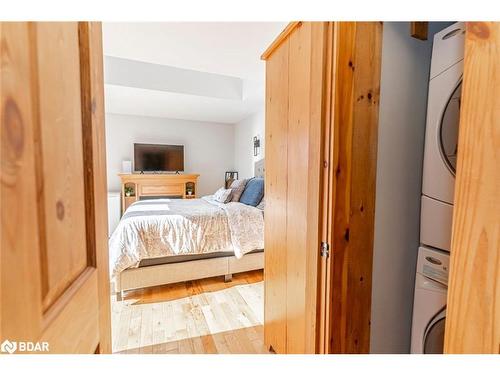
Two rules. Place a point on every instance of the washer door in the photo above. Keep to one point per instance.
(448, 129)
(434, 334)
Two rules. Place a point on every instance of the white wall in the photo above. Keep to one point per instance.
(403, 104)
(208, 147)
(244, 132)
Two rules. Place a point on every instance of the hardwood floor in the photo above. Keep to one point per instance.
(240, 341)
(205, 316)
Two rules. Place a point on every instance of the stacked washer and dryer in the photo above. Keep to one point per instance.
(440, 156)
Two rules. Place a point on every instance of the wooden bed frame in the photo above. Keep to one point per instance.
(161, 274)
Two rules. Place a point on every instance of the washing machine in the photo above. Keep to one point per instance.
(429, 304)
(441, 136)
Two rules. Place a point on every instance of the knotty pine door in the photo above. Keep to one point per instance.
(473, 308)
(295, 68)
(322, 95)
(54, 264)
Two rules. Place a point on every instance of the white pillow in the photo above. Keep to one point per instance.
(262, 204)
(223, 195)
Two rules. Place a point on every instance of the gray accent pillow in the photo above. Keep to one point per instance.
(223, 195)
(237, 187)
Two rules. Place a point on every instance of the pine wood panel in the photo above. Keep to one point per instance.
(334, 78)
(363, 183)
(305, 120)
(344, 35)
(55, 254)
(74, 326)
(158, 189)
(473, 312)
(276, 199)
(319, 113)
(296, 225)
(156, 185)
(19, 225)
(282, 37)
(295, 118)
(357, 49)
(63, 206)
(419, 30)
(96, 203)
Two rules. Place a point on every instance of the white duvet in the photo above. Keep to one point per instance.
(164, 227)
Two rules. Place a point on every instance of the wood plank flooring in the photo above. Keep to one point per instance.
(204, 316)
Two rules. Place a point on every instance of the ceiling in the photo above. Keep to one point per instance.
(216, 54)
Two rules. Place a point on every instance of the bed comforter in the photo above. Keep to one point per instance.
(164, 227)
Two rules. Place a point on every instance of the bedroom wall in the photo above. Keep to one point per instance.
(244, 132)
(403, 106)
(208, 147)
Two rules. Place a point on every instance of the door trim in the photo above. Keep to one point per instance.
(94, 144)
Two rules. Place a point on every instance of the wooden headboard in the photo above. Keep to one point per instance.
(259, 169)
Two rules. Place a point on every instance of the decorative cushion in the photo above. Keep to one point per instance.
(222, 195)
(253, 193)
(237, 187)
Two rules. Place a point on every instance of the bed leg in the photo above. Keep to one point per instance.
(228, 278)
(118, 287)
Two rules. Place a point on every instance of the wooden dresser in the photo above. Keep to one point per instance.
(157, 185)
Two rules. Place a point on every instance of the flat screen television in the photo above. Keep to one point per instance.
(158, 158)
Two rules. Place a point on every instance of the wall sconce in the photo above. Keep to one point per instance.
(256, 145)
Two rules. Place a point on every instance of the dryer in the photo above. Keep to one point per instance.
(441, 136)
(429, 305)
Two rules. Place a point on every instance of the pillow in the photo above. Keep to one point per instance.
(253, 193)
(262, 203)
(222, 195)
(237, 186)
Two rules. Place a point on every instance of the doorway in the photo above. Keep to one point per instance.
(198, 284)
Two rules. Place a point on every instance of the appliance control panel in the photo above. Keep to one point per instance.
(434, 264)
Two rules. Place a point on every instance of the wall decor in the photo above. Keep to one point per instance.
(256, 145)
(229, 178)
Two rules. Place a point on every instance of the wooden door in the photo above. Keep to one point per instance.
(473, 310)
(322, 96)
(349, 191)
(295, 94)
(54, 264)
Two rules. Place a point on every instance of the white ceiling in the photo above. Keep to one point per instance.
(227, 49)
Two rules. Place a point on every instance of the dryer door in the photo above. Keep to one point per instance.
(448, 129)
(441, 134)
(434, 334)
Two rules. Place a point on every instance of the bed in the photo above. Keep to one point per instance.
(163, 241)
